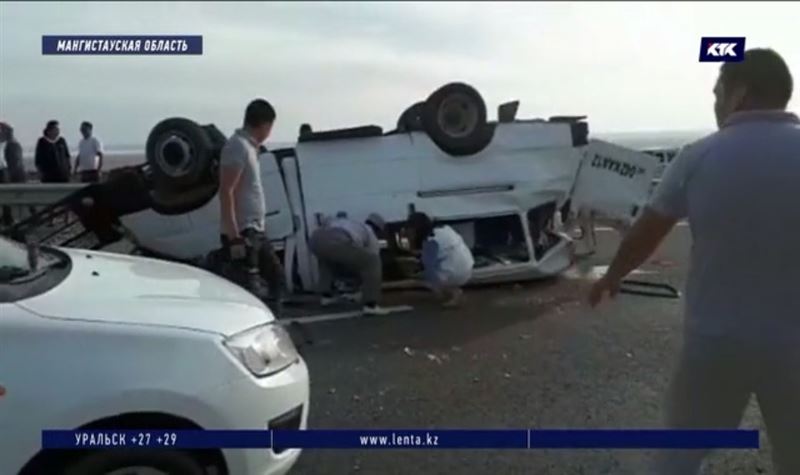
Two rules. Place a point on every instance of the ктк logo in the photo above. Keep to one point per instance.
(722, 50)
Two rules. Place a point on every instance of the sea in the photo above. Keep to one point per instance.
(126, 155)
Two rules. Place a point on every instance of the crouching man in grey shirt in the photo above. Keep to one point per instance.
(739, 189)
(348, 245)
(243, 209)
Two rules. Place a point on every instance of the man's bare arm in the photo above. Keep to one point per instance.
(639, 244)
(228, 179)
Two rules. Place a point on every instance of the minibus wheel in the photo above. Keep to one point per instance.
(180, 152)
(454, 117)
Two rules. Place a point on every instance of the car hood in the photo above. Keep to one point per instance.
(116, 288)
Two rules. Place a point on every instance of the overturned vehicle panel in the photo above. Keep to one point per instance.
(498, 183)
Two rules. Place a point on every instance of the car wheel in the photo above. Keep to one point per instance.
(454, 117)
(136, 462)
(180, 153)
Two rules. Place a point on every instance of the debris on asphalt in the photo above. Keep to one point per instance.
(507, 375)
(505, 356)
(356, 397)
(456, 348)
(629, 354)
(356, 465)
(476, 379)
(408, 351)
(524, 336)
(332, 391)
(432, 357)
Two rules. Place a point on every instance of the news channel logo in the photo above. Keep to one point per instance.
(122, 44)
(729, 49)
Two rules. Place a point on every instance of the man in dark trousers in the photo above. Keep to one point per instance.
(243, 208)
(52, 155)
(13, 154)
(739, 188)
(350, 245)
(12, 168)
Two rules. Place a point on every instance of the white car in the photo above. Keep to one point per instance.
(94, 340)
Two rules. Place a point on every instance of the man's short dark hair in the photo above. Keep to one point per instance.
(259, 112)
(51, 124)
(86, 124)
(765, 75)
(422, 225)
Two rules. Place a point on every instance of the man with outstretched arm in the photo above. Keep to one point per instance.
(243, 209)
(738, 187)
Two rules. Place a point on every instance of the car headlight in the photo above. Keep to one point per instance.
(264, 350)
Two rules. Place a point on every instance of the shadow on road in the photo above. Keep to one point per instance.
(485, 310)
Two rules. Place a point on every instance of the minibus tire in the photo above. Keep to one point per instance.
(180, 152)
(454, 117)
(168, 202)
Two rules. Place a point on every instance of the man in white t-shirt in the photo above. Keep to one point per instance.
(90, 156)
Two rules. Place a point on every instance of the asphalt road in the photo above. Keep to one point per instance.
(516, 356)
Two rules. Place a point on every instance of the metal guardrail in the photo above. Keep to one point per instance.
(25, 194)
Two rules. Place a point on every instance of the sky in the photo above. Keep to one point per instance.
(627, 66)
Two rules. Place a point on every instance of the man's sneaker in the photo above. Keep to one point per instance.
(454, 300)
(352, 296)
(375, 310)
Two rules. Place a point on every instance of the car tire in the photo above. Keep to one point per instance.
(104, 462)
(411, 119)
(454, 117)
(180, 153)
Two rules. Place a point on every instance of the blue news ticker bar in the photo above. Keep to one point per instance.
(122, 44)
(402, 439)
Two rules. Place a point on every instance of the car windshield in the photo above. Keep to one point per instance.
(14, 260)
